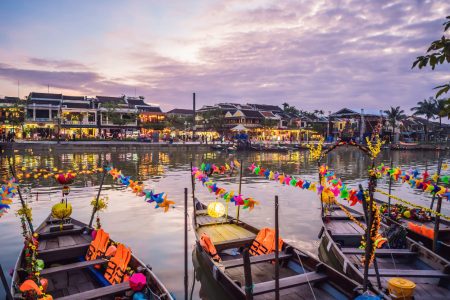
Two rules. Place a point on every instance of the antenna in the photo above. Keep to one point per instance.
(48, 88)
(18, 89)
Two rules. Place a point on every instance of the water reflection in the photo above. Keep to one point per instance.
(157, 238)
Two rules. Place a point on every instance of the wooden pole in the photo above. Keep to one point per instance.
(248, 276)
(186, 278)
(277, 265)
(13, 173)
(239, 191)
(368, 243)
(390, 191)
(5, 284)
(321, 196)
(437, 220)
(194, 114)
(437, 182)
(193, 196)
(94, 209)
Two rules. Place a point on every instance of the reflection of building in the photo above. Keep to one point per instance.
(12, 115)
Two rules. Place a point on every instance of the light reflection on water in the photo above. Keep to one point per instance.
(157, 237)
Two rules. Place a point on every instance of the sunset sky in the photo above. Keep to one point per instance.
(311, 54)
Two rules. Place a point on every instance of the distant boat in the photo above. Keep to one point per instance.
(339, 247)
(299, 272)
(72, 277)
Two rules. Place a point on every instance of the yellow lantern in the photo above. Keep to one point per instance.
(61, 210)
(216, 209)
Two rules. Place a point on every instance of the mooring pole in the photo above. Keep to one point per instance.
(239, 191)
(248, 275)
(437, 182)
(5, 284)
(94, 209)
(193, 196)
(22, 202)
(367, 247)
(320, 183)
(186, 278)
(437, 220)
(277, 265)
(390, 190)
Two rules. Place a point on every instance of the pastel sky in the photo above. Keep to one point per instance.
(311, 54)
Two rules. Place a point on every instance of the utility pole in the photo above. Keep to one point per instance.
(193, 109)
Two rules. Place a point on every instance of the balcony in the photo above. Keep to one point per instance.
(107, 123)
(66, 122)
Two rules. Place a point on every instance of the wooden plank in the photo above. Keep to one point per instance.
(288, 282)
(66, 241)
(240, 231)
(74, 266)
(58, 227)
(49, 235)
(100, 292)
(234, 243)
(53, 255)
(254, 259)
(410, 273)
(405, 252)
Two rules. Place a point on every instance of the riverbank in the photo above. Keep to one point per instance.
(101, 145)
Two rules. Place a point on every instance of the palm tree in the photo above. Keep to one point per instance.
(394, 115)
(425, 108)
(440, 106)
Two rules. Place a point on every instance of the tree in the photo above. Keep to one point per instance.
(215, 119)
(116, 117)
(394, 115)
(425, 108)
(438, 53)
(269, 123)
(290, 109)
(440, 106)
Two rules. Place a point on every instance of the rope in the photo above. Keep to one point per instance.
(306, 274)
(414, 205)
(351, 217)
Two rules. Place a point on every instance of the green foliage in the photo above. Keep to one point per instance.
(116, 117)
(269, 123)
(290, 109)
(178, 122)
(215, 118)
(438, 53)
(394, 115)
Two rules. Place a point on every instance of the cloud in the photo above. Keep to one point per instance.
(312, 54)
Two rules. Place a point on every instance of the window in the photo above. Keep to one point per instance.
(42, 114)
(29, 113)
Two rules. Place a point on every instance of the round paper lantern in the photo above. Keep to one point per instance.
(216, 209)
(137, 282)
(61, 210)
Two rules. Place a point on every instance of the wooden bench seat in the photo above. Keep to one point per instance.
(288, 282)
(254, 259)
(100, 292)
(74, 266)
(409, 273)
(234, 243)
(56, 254)
(49, 235)
(381, 252)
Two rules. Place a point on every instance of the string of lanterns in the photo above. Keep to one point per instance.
(36, 173)
(138, 188)
(7, 192)
(228, 196)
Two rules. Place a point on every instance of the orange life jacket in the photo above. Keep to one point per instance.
(208, 246)
(117, 265)
(98, 246)
(264, 242)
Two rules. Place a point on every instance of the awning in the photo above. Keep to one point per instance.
(239, 127)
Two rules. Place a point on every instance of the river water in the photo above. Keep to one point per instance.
(157, 237)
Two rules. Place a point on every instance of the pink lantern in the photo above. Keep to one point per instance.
(137, 282)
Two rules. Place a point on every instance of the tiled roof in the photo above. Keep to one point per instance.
(9, 100)
(106, 99)
(149, 108)
(45, 95)
(265, 107)
(44, 102)
(181, 111)
(85, 104)
(251, 113)
(80, 98)
(267, 114)
(133, 102)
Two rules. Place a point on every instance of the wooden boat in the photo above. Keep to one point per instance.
(339, 247)
(300, 273)
(69, 275)
(443, 245)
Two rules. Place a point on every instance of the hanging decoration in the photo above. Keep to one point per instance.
(211, 169)
(415, 179)
(374, 148)
(7, 192)
(426, 209)
(138, 188)
(228, 196)
(315, 151)
(216, 209)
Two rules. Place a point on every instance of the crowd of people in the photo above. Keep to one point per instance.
(7, 137)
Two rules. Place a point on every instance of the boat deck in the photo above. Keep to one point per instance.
(70, 283)
(401, 263)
